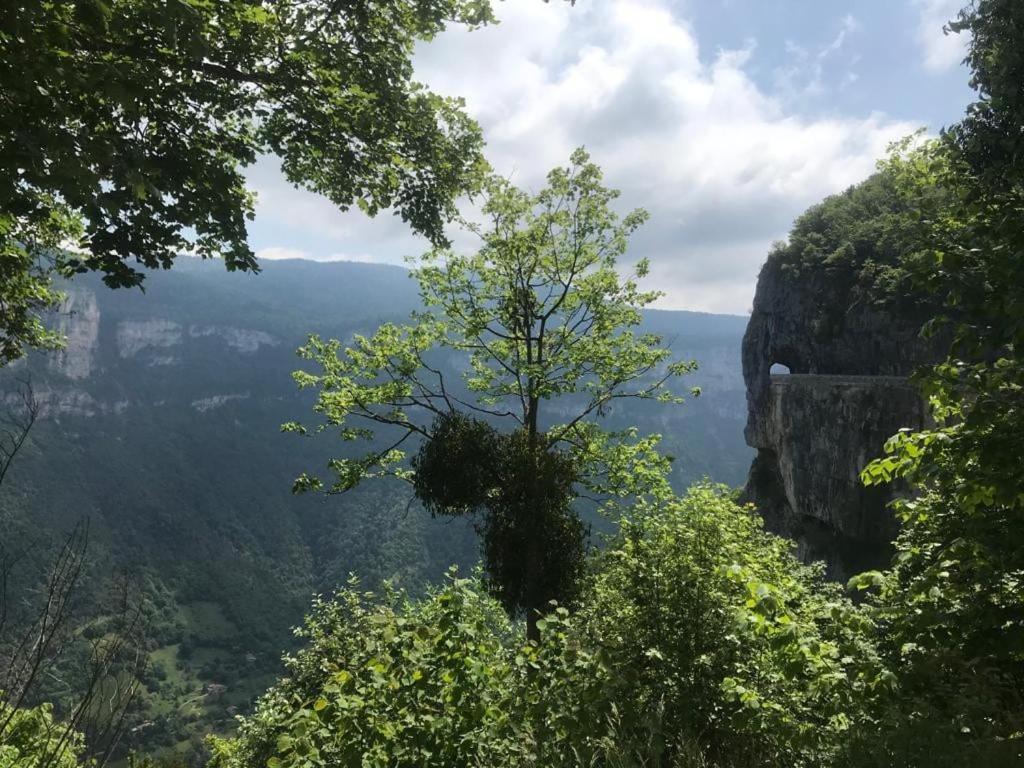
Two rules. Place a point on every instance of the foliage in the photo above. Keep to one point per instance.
(851, 247)
(27, 290)
(125, 126)
(703, 642)
(388, 683)
(738, 651)
(32, 739)
(858, 233)
(467, 466)
(548, 326)
(953, 604)
(228, 567)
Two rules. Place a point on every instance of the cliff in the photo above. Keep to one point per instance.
(826, 358)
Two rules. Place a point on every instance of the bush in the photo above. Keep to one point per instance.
(30, 738)
(744, 655)
(702, 642)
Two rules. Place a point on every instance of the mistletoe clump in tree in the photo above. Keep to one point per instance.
(549, 328)
(514, 490)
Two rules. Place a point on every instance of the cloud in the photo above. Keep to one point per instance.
(294, 208)
(723, 165)
(941, 51)
(804, 74)
(848, 24)
(294, 223)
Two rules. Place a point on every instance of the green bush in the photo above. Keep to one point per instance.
(744, 655)
(702, 641)
(30, 738)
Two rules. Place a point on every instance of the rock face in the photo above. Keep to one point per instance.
(78, 319)
(245, 341)
(133, 336)
(816, 427)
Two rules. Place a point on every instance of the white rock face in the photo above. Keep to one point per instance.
(78, 320)
(244, 340)
(134, 336)
(216, 401)
(56, 402)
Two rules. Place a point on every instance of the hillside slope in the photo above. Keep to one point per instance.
(162, 427)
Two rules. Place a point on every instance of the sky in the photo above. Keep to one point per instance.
(725, 119)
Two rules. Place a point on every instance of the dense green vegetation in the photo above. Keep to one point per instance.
(32, 739)
(196, 505)
(953, 602)
(699, 637)
(851, 247)
(700, 641)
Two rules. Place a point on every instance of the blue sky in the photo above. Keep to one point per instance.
(891, 57)
(724, 118)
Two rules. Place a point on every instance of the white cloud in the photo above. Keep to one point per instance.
(941, 51)
(849, 24)
(296, 208)
(720, 163)
(804, 74)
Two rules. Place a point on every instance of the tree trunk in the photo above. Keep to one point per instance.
(532, 630)
(532, 554)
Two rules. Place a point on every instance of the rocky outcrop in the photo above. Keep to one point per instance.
(241, 339)
(133, 336)
(216, 401)
(816, 427)
(78, 321)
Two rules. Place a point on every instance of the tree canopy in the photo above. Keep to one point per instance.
(33, 739)
(125, 126)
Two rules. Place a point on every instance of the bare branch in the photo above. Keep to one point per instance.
(17, 425)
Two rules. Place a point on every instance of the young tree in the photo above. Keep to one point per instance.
(548, 328)
(125, 126)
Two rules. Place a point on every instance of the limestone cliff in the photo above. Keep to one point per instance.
(819, 312)
(78, 320)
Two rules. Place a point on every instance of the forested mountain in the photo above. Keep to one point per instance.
(161, 425)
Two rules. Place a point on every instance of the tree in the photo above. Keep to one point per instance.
(36, 635)
(16, 423)
(94, 681)
(548, 328)
(952, 604)
(722, 641)
(125, 126)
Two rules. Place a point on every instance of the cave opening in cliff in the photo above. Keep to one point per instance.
(779, 369)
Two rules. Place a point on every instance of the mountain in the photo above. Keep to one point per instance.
(161, 426)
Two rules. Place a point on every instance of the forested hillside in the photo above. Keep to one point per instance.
(161, 426)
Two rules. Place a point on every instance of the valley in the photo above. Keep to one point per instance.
(161, 427)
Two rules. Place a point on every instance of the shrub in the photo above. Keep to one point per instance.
(30, 738)
(702, 641)
(742, 654)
